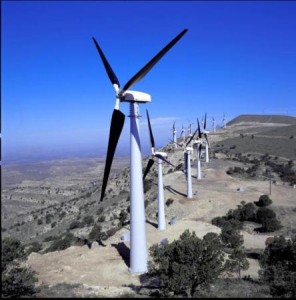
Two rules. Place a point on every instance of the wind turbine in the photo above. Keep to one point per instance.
(175, 136)
(224, 121)
(138, 247)
(205, 132)
(161, 157)
(187, 159)
(198, 143)
(183, 133)
(214, 124)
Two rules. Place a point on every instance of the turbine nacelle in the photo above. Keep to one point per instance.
(189, 149)
(163, 154)
(135, 96)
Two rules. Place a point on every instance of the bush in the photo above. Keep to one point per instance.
(11, 249)
(35, 247)
(62, 244)
(230, 237)
(278, 267)
(88, 220)
(187, 264)
(75, 224)
(263, 201)
(267, 218)
(169, 202)
(18, 283)
(95, 233)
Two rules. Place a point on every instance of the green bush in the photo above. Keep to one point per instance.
(278, 267)
(267, 218)
(11, 248)
(96, 233)
(230, 237)
(75, 224)
(88, 220)
(187, 264)
(169, 202)
(35, 247)
(263, 201)
(62, 244)
(18, 283)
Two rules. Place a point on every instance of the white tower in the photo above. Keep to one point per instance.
(198, 144)
(187, 157)
(214, 125)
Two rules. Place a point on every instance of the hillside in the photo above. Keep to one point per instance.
(73, 208)
(282, 119)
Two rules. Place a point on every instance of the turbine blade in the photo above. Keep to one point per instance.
(174, 126)
(198, 127)
(150, 131)
(151, 63)
(107, 66)
(162, 158)
(116, 126)
(148, 167)
(191, 137)
(205, 124)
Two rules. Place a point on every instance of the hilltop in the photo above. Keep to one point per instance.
(74, 208)
(282, 119)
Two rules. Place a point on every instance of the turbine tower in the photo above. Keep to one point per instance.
(224, 121)
(175, 136)
(138, 245)
(205, 132)
(161, 157)
(198, 143)
(183, 133)
(214, 124)
(187, 159)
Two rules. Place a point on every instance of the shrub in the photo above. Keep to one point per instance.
(101, 218)
(267, 218)
(39, 222)
(75, 224)
(62, 244)
(230, 237)
(122, 217)
(187, 264)
(11, 248)
(95, 233)
(18, 282)
(169, 202)
(278, 267)
(35, 247)
(263, 201)
(88, 220)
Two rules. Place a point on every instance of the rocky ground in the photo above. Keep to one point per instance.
(103, 271)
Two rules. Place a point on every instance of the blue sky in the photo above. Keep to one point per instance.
(236, 58)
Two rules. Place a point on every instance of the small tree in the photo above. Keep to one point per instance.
(187, 264)
(278, 267)
(237, 261)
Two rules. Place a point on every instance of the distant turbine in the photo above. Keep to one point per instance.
(161, 157)
(198, 143)
(214, 124)
(183, 134)
(224, 121)
(187, 159)
(175, 136)
(138, 245)
(205, 132)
